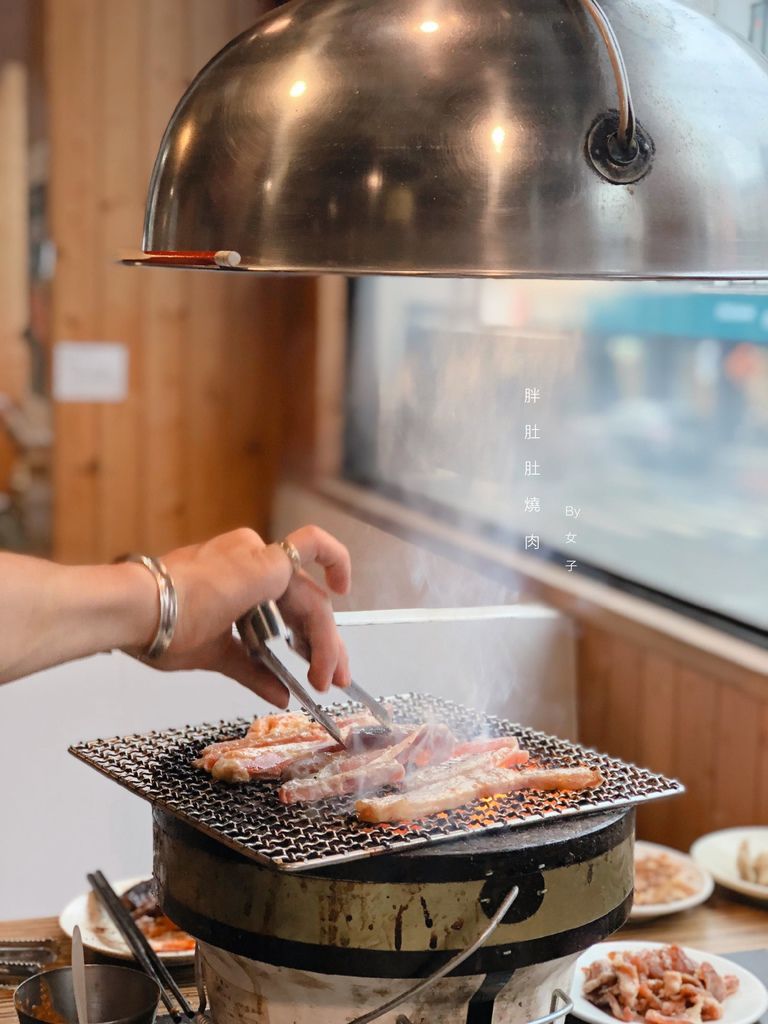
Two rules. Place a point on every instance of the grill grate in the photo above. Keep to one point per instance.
(250, 819)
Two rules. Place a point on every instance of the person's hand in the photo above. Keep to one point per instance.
(220, 580)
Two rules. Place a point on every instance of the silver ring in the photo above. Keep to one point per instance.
(293, 554)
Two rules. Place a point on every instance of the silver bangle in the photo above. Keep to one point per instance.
(169, 603)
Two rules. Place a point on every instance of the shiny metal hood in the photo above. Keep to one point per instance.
(450, 137)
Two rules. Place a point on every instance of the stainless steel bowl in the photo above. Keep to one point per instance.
(116, 995)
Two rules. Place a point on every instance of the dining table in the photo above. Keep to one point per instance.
(724, 924)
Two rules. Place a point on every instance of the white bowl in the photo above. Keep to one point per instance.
(699, 875)
(745, 1006)
(100, 935)
(717, 853)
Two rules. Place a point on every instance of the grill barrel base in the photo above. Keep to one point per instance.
(282, 948)
(242, 990)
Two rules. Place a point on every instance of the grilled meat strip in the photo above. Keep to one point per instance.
(368, 773)
(256, 762)
(506, 756)
(483, 746)
(281, 729)
(359, 741)
(472, 784)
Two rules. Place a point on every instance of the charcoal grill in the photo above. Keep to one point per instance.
(334, 944)
(299, 924)
(251, 820)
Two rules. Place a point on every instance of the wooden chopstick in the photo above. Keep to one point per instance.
(139, 946)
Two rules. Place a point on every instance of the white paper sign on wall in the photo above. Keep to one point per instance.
(90, 371)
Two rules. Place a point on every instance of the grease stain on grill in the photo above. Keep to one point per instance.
(251, 820)
(425, 910)
(399, 926)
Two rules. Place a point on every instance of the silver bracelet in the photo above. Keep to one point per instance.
(169, 603)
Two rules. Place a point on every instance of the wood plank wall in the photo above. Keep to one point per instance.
(707, 728)
(196, 447)
(14, 304)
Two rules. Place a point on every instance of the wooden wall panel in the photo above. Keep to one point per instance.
(74, 37)
(761, 808)
(657, 716)
(705, 729)
(170, 341)
(196, 447)
(737, 757)
(14, 283)
(121, 59)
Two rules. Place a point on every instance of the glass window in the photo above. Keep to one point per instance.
(621, 428)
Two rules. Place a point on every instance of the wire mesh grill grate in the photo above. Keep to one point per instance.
(250, 819)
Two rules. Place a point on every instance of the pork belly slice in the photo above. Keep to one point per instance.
(361, 774)
(310, 764)
(358, 741)
(294, 727)
(437, 774)
(292, 723)
(472, 784)
(430, 744)
(483, 746)
(211, 754)
(247, 763)
(372, 775)
(284, 724)
(369, 772)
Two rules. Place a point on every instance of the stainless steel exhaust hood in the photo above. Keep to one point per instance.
(493, 138)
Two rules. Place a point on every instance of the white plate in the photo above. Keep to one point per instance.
(699, 875)
(717, 852)
(100, 935)
(745, 1006)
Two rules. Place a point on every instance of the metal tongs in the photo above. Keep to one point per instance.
(21, 958)
(263, 631)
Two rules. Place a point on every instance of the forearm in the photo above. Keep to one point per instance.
(52, 613)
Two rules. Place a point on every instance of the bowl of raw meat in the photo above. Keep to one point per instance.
(655, 983)
(667, 882)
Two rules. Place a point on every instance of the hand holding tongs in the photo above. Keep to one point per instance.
(261, 630)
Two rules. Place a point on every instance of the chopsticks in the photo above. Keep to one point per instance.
(140, 948)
